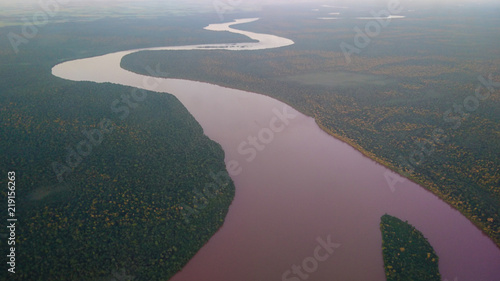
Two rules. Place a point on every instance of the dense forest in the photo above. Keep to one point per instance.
(102, 196)
(419, 99)
(407, 253)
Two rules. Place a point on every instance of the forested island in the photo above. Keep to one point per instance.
(407, 253)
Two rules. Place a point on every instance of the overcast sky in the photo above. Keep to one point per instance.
(330, 2)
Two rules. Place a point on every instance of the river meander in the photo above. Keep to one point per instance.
(296, 184)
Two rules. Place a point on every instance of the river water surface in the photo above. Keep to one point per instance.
(297, 185)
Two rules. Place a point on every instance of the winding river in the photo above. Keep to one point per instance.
(297, 187)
